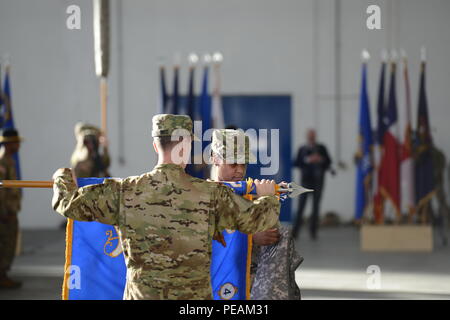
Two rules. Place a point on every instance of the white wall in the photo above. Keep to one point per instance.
(283, 46)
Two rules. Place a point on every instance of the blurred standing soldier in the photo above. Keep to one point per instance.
(439, 164)
(313, 161)
(165, 218)
(274, 258)
(87, 160)
(10, 201)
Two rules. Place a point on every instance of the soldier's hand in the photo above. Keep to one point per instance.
(265, 187)
(103, 141)
(219, 238)
(74, 177)
(266, 238)
(283, 184)
(64, 171)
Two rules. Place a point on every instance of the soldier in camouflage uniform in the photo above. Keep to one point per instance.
(274, 257)
(9, 207)
(165, 218)
(443, 211)
(87, 160)
(230, 150)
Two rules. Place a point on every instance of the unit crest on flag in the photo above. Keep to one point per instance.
(227, 291)
(113, 243)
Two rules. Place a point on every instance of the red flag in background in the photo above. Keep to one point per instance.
(389, 178)
(381, 113)
(406, 158)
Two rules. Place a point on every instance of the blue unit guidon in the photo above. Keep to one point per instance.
(230, 267)
(95, 267)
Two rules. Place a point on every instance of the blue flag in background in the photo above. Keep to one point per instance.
(425, 187)
(190, 104)
(2, 105)
(381, 107)
(205, 106)
(175, 94)
(94, 255)
(164, 97)
(191, 112)
(7, 117)
(365, 164)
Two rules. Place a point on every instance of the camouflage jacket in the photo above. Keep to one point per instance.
(273, 269)
(10, 198)
(166, 220)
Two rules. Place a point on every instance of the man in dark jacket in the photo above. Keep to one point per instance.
(313, 161)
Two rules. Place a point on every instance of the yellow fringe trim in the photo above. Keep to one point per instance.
(249, 262)
(69, 237)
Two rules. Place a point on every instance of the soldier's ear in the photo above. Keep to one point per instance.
(215, 160)
(155, 147)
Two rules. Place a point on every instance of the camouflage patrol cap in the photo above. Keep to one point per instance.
(233, 146)
(166, 125)
(10, 135)
(83, 129)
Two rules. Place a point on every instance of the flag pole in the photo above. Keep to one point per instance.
(101, 51)
(25, 184)
(104, 104)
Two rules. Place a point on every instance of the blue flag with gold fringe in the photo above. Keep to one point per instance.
(230, 266)
(95, 266)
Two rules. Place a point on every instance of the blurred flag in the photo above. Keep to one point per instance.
(381, 107)
(217, 109)
(407, 162)
(389, 183)
(205, 117)
(8, 119)
(190, 109)
(2, 105)
(175, 101)
(95, 266)
(424, 162)
(381, 128)
(164, 98)
(365, 164)
(191, 168)
(205, 103)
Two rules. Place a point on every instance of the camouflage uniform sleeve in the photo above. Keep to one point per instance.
(2, 190)
(106, 159)
(236, 213)
(98, 202)
(14, 195)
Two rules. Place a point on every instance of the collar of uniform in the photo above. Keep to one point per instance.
(169, 166)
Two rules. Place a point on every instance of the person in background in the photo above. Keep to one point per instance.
(10, 203)
(313, 161)
(88, 160)
(443, 210)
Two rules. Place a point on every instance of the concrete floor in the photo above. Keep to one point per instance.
(334, 268)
